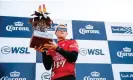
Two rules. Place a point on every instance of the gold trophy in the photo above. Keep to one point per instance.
(40, 24)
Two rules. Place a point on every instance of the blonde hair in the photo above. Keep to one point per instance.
(59, 26)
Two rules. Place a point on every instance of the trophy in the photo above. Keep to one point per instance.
(40, 24)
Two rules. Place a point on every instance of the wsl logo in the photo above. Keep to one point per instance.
(89, 29)
(126, 75)
(121, 30)
(15, 50)
(45, 76)
(13, 76)
(127, 52)
(94, 76)
(84, 51)
(18, 26)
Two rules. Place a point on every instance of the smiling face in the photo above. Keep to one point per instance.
(61, 32)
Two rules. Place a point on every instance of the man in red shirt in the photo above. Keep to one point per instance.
(61, 57)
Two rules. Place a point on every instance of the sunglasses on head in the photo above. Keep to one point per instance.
(61, 29)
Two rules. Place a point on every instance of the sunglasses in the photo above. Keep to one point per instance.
(61, 29)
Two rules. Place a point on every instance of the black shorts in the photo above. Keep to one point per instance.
(69, 77)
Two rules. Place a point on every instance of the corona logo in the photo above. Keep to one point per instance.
(18, 23)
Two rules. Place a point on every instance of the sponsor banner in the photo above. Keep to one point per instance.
(15, 27)
(42, 73)
(91, 51)
(17, 71)
(121, 52)
(88, 30)
(119, 31)
(16, 50)
(94, 72)
(123, 71)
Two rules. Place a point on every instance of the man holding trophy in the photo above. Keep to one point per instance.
(61, 57)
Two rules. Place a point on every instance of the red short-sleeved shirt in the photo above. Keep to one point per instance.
(61, 67)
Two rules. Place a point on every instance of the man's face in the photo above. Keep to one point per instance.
(61, 32)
